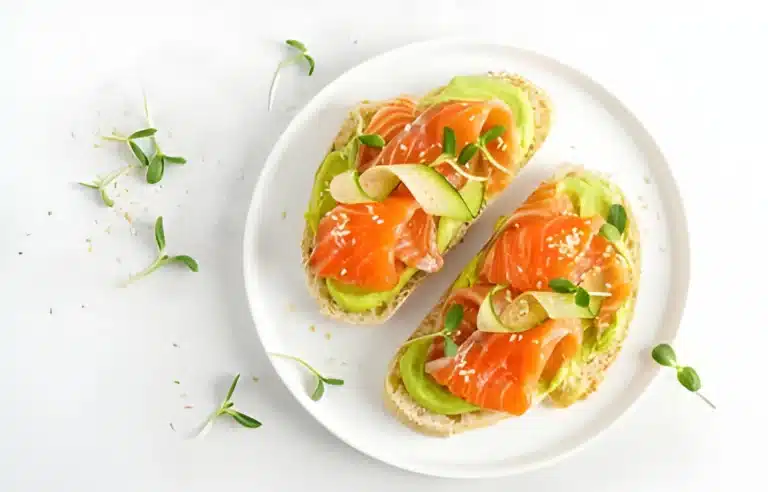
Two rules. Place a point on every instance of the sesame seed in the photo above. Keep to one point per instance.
(422, 153)
(379, 221)
(403, 147)
(343, 272)
(548, 239)
(608, 285)
(519, 269)
(407, 127)
(539, 284)
(375, 217)
(472, 118)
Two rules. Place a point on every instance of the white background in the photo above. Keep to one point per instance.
(87, 367)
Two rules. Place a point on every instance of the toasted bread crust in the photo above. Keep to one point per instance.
(542, 109)
(409, 412)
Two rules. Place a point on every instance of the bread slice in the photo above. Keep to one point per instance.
(542, 109)
(411, 413)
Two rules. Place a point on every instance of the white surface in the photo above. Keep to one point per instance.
(88, 392)
(614, 143)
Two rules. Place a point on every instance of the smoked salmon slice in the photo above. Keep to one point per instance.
(501, 371)
(368, 245)
(356, 243)
(389, 120)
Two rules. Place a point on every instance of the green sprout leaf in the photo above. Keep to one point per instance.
(319, 390)
(301, 55)
(140, 155)
(226, 408)
(296, 44)
(562, 286)
(689, 378)
(186, 260)
(109, 202)
(467, 153)
(311, 62)
(89, 185)
(160, 234)
(232, 388)
(453, 318)
(155, 169)
(449, 141)
(617, 217)
(146, 132)
(174, 159)
(372, 140)
(162, 258)
(450, 347)
(610, 232)
(664, 354)
(494, 132)
(244, 420)
(582, 297)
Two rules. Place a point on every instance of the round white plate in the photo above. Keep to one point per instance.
(592, 128)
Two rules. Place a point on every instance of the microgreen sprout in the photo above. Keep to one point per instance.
(101, 183)
(615, 223)
(297, 58)
(452, 321)
(372, 140)
(664, 355)
(565, 286)
(156, 164)
(320, 380)
(227, 408)
(162, 258)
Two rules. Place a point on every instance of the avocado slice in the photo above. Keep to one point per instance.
(321, 201)
(423, 388)
(356, 300)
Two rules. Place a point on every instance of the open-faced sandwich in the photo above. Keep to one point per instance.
(404, 180)
(540, 312)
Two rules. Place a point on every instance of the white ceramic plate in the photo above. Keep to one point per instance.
(591, 127)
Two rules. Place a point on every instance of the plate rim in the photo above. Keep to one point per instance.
(683, 240)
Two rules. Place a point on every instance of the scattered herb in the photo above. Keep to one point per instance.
(452, 321)
(101, 184)
(616, 223)
(664, 355)
(372, 140)
(582, 297)
(297, 58)
(467, 153)
(319, 390)
(565, 286)
(162, 258)
(562, 286)
(227, 408)
(156, 164)
(449, 141)
(493, 133)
